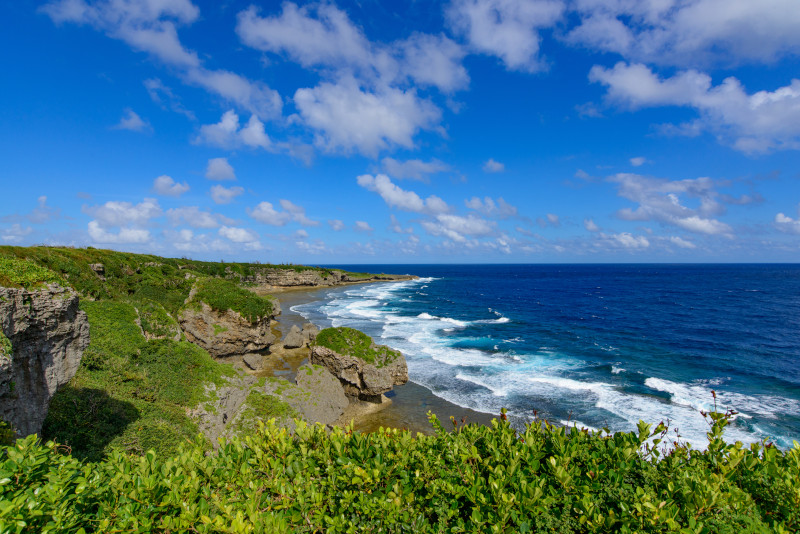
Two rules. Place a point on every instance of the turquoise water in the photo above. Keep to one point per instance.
(597, 345)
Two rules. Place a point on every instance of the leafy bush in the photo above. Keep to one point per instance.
(17, 272)
(473, 479)
(155, 319)
(223, 295)
(351, 342)
(6, 349)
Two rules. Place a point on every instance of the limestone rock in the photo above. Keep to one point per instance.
(310, 332)
(294, 339)
(326, 401)
(47, 334)
(362, 380)
(99, 269)
(224, 333)
(214, 416)
(253, 361)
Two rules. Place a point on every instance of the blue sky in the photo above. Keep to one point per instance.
(388, 132)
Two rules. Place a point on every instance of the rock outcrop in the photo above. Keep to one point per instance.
(225, 333)
(362, 380)
(294, 339)
(47, 334)
(267, 276)
(309, 332)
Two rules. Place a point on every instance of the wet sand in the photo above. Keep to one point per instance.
(405, 407)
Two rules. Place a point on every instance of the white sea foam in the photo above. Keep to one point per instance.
(617, 370)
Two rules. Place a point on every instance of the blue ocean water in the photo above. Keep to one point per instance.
(596, 345)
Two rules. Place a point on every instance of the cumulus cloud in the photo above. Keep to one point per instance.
(787, 224)
(15, 233)
(660, 200)
(491, 208)
(297, 213)
(508, 29)
(116, 213)
(193, 216)
(625, 240)
(638, 161)
(399, 198)
(590, 225)
(458, 227)
(493, 166)
(266, 213)
(152, 27)
(228, 134)
(362, 226)
(124, 236)
(238, 235)
(675, 32)
(336, 225)
(220, 169)
(680, 242)
(165, 185)
(752, 123)
(347, 118)
(414, 169)
(225, 195)
(132, 121)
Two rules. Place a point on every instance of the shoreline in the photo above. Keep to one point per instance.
(405, 407)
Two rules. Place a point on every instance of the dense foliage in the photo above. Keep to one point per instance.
(473, 479)
(223, 295)
(351, 342)
(16, 272)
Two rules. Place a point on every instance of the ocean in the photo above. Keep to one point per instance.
(599, 346)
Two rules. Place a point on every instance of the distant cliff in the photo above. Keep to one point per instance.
(276, 277)
(46, 335)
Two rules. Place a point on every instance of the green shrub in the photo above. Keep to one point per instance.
(223, 295)
(351, 342)
(472, 479)
(6, 349)
(155, 319)
(17, 272)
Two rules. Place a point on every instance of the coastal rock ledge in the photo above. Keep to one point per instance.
(365, 370)
(44, 336)
(224, 334)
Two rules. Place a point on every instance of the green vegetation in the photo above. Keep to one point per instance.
(260, 407)
(16, 272)
(473, 479)
(5, 346)
(223, 295)
(155, 320)
(351, 342)
(130, 393)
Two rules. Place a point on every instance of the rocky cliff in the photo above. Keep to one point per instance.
(46, 335)
(310, 277)
(226, 333)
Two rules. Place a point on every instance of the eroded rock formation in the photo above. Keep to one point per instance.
(225, 333)
(362, 380)
(47, 334)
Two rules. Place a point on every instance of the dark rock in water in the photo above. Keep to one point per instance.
(253, 361)
(47, 334)
(362, 380)
(294, 339)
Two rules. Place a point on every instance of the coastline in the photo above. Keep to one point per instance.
(405, 407)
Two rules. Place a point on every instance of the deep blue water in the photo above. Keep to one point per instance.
(599, 345)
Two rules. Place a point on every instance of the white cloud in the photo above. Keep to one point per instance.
(508, 29)
(677, 32)
(115, 213)
(125, 234)
(165, 185)
(163, 95)
(228, 134)
(336, 225)
(415, 169)
(675, 240)
(193, 216)
(264, 212)
(220, 169)
(626, 240)
(638, 161)
(132, 121)
(434, 60)
(397, 228)
(553, 219)
(787, 224)
(659, 200)
(399, 198)
(590, 225)
(489, 207)
(752, 123)
(301, 234)
(238, 235)
(223, 195)
(362, 226)
(298, 213)
(15, 233)
(493, 166)
(151, 26)
(41, 214)
(349, 119)
(457, 227)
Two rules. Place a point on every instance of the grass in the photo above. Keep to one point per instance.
(18, 272)
(130, 394)
(155, 319)
(261, 407)
(223, 295)
(351, 342)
